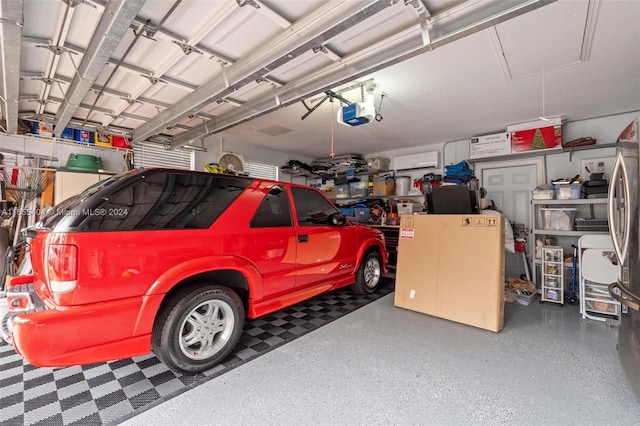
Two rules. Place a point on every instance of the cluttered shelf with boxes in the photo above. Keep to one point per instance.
(569, 226)
(383, 197)
(42, 129)
(567, 209)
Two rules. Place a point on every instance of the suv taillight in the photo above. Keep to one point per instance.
(62, 267)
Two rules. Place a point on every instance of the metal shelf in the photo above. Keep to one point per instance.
(567, 233)
(570, 202)
(543, 153)
(536, 205)
(569, 265)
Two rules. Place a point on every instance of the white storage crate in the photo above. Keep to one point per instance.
(558, 219)
(543, 194)
(405, 208)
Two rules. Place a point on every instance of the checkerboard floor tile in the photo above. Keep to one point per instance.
(104, 393)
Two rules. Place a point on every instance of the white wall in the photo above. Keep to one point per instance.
(215, 144)
(604, 129)
(55, 152)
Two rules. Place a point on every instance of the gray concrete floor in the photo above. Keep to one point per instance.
(387, 365)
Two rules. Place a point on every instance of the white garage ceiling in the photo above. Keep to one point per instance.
(177, 71)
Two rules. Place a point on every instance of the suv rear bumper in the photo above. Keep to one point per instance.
(21, 299)
(63, 336)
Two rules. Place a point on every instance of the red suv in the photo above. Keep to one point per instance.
(172, 261)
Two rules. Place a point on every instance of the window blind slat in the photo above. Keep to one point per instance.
(147, 155)
(260, 170)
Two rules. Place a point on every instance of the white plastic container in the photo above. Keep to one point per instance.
(568, 192)
(558, 219)
(403, 185)
(543, 194)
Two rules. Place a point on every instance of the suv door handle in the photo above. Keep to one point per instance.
(303, 238)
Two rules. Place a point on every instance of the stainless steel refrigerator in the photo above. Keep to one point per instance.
(623, 216)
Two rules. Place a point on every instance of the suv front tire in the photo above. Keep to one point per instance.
(369, 276)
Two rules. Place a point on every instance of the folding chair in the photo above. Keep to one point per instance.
(597, 271)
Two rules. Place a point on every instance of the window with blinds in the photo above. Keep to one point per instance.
(259, 170)
(154, 155)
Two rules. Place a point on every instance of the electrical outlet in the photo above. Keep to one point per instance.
(597, 165)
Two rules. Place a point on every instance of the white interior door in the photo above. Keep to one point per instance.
(509, 185)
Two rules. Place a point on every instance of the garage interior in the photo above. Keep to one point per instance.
(186, 82)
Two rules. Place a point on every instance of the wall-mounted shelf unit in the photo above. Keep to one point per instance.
(542, 153)
(585, 208)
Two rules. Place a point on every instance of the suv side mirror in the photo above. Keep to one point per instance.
(337, 219)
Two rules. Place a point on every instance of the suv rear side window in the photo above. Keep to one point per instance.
(165, 200)
(274, 210)
(312, 208)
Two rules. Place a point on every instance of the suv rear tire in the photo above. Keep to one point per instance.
(369, 276)
(198, 329)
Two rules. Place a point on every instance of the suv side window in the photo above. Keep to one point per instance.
(312, 208)
(274, 210)
(165, 200)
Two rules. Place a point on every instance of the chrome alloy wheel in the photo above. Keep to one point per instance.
(372, 272)
(206, 329)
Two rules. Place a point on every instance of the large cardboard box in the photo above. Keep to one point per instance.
(452, 267)
(383, 187)
(540, 138)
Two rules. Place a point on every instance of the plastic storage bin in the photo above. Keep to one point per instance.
(358, 189)
(558, 219)
(43, 129)
(543, 194)
(83, 136)
(342, 191)
(568, 192)
(361, 212)
(68, 133)
(103, 140)
(404, 208)
(593, 225)
(378, 164)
